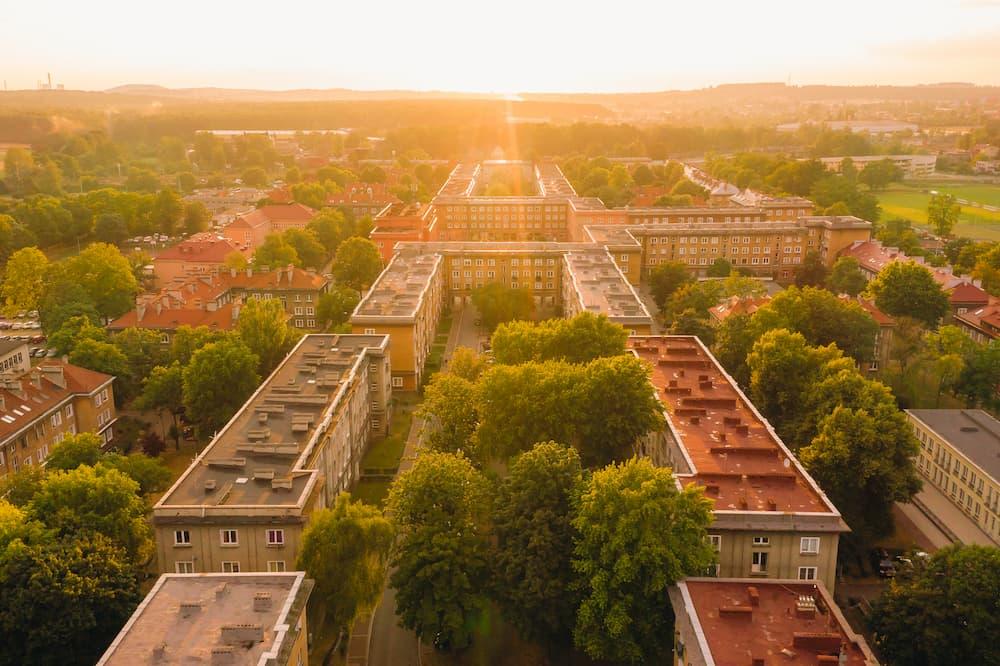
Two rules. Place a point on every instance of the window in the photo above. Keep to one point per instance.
(807, 573)
(230, 567)
(761, 541)
(56, 419)
(715, 540)
(184, 567)
(182, 538)
(369, 331)
(809, 545)
(229, 537)
(69, 411)
(275, 565)
(397, 382)
(758, 563)
(164, 338)
(276, 537)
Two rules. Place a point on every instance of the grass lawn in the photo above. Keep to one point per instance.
(910, 202)
(372, 491)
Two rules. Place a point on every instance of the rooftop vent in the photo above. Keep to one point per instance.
(189, 608)
(754, 595)
(209, 485)
(969, 429)
(242, 634)
(261, 601)
(221, 590)
(223, 654)
(805, 606)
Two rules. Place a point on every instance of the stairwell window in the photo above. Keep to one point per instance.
(809, 545)
(758, 562)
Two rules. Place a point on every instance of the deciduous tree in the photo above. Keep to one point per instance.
(217, 381)
(263, 327)
(357, 263)
(942, 213)
(666, 278)
(334, 308)
(904, 288)
(846, 277)
(23, 280)
(577, 340)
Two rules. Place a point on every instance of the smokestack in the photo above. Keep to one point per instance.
(50, 80)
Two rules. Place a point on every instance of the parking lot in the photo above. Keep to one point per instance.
(25, 327)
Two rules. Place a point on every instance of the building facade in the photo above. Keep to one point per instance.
(15, 358)
(257, 619)
(41, 407)
(960, 455)
(293, 446)
(771, 519)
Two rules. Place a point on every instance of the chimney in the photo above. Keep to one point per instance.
(232, 272)
(36, 379)
(55, 374)
(249, 272)
(140, 310)
(261, 601)
(754, 595)
(159, 307)
(237, 634)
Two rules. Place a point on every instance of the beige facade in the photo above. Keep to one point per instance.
(296, 443)
(15, 358)
(41, 407)
(257, 619)
(960, 456)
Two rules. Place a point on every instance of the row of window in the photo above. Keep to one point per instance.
(807, 545)
(11, 362)
(231, 537)
(229, 566)
(513, 262)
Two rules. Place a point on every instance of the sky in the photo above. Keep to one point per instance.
(502, 46)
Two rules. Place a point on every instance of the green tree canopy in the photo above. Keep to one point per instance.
(449, 405)
(904, 288)
(263, 327)
(357, 263)
(310, 251)
(80, 449)
(637, 535)
(846, 277)
(943, 611)
(335, 307)
(498, 303)
(345, 549)
(105, 276)
(440, 509)
(812, 272)
(666, 278)
(942, 213)
(23, 280)
(577, 340)
(75, 330)
(532, 514)
(217, 381)
(275, 252)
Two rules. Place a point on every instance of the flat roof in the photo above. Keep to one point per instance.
(261, 458)
(732, 450)
(778, 622)
(7, 346)
(972, 432)
(491, 247)
(614, 235)
(188, 617)
(602, 289)
(400, 288)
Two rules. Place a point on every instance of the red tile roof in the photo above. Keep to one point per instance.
(736, 305)
(268, 215)
(209, 251)
(41, 393)
(881, 318)
(169, 319)
(968, 293)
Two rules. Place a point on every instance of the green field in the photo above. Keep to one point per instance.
(910, 202)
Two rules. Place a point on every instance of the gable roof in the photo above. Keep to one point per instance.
(209, 251)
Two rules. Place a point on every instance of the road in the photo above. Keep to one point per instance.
(390, 644)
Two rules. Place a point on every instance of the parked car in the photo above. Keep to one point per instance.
(51, 353)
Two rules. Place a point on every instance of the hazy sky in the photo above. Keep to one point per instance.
(506, 46)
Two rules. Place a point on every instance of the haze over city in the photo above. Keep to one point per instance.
(515, 46)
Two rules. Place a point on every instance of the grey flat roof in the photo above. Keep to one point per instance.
(601, 287)
(400, 289)
(973, 432)
(188, 616)
(7, 346)
(259, 458)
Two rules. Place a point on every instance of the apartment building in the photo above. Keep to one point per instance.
(196, 256)
(771, 518)
(41, 406)
(752, 622)
(405, 303)
(256, 619)
(407, 299)
(401, 222)
(298, 290)
(15, 358)
(911, 165)
(960, 456)
(249, 231)
(363, 199)
(291, 448)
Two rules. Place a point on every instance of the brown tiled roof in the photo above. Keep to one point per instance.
(267, 215)
(736, 305)
(295, 278)
(169, 319)
(968, 293)
(40, 393)
(212, 251)
(881, 318)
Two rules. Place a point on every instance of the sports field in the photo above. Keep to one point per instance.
(909, 201)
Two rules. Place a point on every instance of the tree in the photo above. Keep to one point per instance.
(80, 449)
(19, 487)
(196, 217)
(643, 175)
(665, 279)
(345, 549)
(275, 252)
(941, 611)
(439, 508)
(720, 268)
(942, 213)
(63, 300)
(105, 276)
(310, 251)
(23, 280)
(690, 322)
(255, 177)
(152, 444)
(331, 228)
(87, 582)
(111, 228)
(163, 389)
(143, 349)
(846, 277)
(74, 331)
(450, 407)
(334, 308)
(532, 514)
(94, 499)
(863, 460)
(467, 364)
(103, 357)
(150, 473)
(309, 194)
(236, 260)
(696, 296)
(264, 330)
(733, 341)
(167, 212)
(904, 288)
(498, 304)
(821, 318)
(685, 186)
(782, 367)
(899, 232)
(186, 182)
(188, 340)
(812, 272)
(637, 535)
(217, 381)
(877, 175)
(580, 339)
(13, 237)
(981, 376)
(357, 263)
